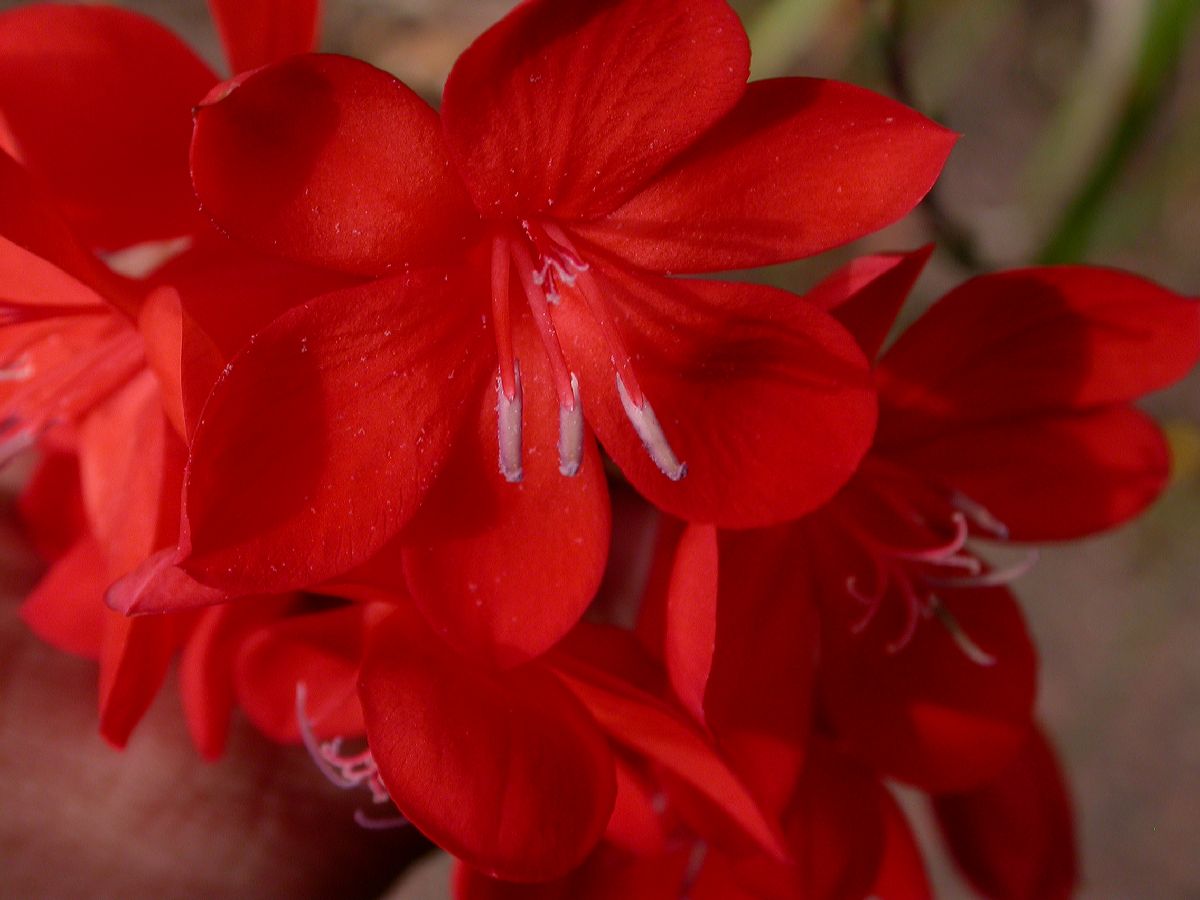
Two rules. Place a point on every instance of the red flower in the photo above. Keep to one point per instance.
(584, 151)
(1005, 414)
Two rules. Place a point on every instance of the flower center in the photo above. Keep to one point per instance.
(549, 268)
(915, 534)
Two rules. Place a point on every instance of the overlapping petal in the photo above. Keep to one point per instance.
(799, 166)
(329, 161)
(1014, 837)
(324, 434)
(764, 397)
(63, 609)
(564, 108)
(506, 770)
(98, 100)
(1035, 341)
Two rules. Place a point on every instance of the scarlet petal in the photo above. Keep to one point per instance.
(570, 106)
(1052, 477)
(66, 609)
(322, 651)
(927, 713)
(258, 32)
(764, 397)
(866, 294)
(502, 571)
(902, 870)
(1034, 341)
(323, 435)
(503, 769)
(653, 729)
(799, 166)
(133, 663)
(126, 84)
(329, 161)
(691, 631)
(1014, 837)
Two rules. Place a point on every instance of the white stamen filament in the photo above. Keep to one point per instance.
(645, 423)
(508, 427)
(570, 434)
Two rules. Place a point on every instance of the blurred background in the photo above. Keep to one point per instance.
(1081, 143)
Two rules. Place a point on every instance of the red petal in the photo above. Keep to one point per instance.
(259, 32)
(133, 664)
(637, 823)
(51, 505)
(651, 728)
(99, 103)
(66, 609)
(902, 870)
(329, 161)
(322, 651)
(503, 769)
(799, 166)
(1052, 477)
(158, 585)
(206, 677)
(322, 437)
(866, 294)
(502, 571)
(927, 713)
(764, 397)
(1014, 837)
(1032, 341)
(759, 697)
(567, 107)
(691, 628)
(123, 461)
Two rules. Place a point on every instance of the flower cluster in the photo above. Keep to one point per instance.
(400, 427)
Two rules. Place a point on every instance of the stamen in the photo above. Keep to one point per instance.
(645, 423)
(570, 434)
(14, 440)
(941, 552)
(545, 325)
(970, 649)
(979, 514)
(344, 771)
(914, 609)
(22, 370)
(502, 317)
(508, 426)
(995, 578)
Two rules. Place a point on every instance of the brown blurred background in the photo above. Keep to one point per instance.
(1081, 142)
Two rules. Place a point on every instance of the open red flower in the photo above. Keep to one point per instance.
(585, 150)
(1005, 414)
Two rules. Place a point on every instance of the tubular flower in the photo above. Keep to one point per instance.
(519, 248)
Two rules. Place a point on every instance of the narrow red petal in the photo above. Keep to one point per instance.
(329, 161)
(691, 628)
(322, 437)
(765, 398)
(866, 294)
(653, 729)
(259, 32)
(99, 101)
(133, 663)
(1014, 837)
(503, 769)
(799, 166)
(1054, 476)
(502, 571)
(564, 108)
(1034, 341)
(902, 873)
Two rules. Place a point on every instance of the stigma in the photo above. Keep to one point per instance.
(550, 270)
